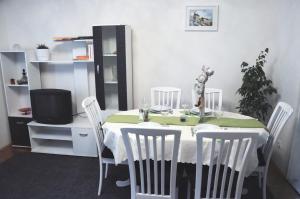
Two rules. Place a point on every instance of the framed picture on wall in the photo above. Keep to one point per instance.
(202, 18)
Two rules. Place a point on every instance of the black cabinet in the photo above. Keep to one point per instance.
(19, 131)
(113, 66)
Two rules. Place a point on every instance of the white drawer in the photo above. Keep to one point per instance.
(84, 143)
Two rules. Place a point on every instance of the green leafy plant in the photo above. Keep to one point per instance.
(255, 89)
(42, 46)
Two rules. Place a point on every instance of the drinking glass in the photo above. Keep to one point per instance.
(185, 108)
(218, 113)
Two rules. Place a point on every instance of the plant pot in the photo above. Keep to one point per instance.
(42, 54)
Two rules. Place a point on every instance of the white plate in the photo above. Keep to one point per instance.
(195, 110)
(159, 108)
(205, 127)
(149, 124)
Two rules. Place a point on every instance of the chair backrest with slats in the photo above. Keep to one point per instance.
(93, 111)
(278, 119)
(166, 96)
(229, 151)
(150, 143)
(213, 98)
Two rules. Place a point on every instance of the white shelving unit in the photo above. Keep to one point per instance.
(17, 96)
(76, 138)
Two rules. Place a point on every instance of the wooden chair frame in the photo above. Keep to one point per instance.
(245, 142)
(279, 117)
(153, 134)
(166, 96)
(93, 111)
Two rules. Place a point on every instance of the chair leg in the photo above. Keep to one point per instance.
(265, 184)
(188, 192)
(259, 179)
(176, 193)
(106, 170)
(100, 179)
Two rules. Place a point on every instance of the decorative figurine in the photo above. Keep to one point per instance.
(12, 81)
(199, 89)
(23, 79)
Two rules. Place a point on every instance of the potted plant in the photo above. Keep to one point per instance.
(255, 89)
(42, 52)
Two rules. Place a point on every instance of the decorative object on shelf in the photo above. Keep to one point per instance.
(255, 89)
(202, 18)
(16, 47)
(79, 51)
(12, 81)
(25, 111)
(42, 52)
(199, 88)
(82, 57)
(24, 79)
(90, 50)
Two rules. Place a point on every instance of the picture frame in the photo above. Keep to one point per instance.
(202, 18)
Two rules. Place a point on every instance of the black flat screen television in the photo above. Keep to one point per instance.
(51, 106)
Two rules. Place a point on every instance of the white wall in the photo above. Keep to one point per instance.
(163, 53)
(286, 76)
(159, 40)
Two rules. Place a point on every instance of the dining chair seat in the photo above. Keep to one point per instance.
(260, 156)
(106, 153)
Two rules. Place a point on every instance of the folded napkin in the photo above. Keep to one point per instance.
(190, 121)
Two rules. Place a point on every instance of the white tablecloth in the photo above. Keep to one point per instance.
(187, 149)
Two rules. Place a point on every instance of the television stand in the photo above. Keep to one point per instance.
(76, 138)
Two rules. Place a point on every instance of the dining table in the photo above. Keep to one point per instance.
(188, 124)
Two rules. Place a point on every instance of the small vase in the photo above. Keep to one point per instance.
(42, 54)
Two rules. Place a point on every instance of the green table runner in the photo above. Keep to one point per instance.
(190, 121)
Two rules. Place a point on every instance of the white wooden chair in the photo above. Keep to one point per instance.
(93, 111)
(213, 98)
(151, 142)
(278, 119)
(234, 146)
(166, 96)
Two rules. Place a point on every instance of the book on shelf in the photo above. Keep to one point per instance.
(91, 51)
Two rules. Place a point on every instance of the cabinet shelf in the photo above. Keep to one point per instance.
(51, 134)
(63, 61)
(109, 55)
(57, 147)
(54, 62)
(52, 137)
(83, 61)
(111, 82)
(17, 85)
(19, 115)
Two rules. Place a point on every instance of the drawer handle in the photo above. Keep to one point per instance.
(83, 134)
(98, 69)
(20, 123)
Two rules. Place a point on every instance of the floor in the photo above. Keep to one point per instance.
(277, 184)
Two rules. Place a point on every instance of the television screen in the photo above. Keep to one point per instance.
(51, 106)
